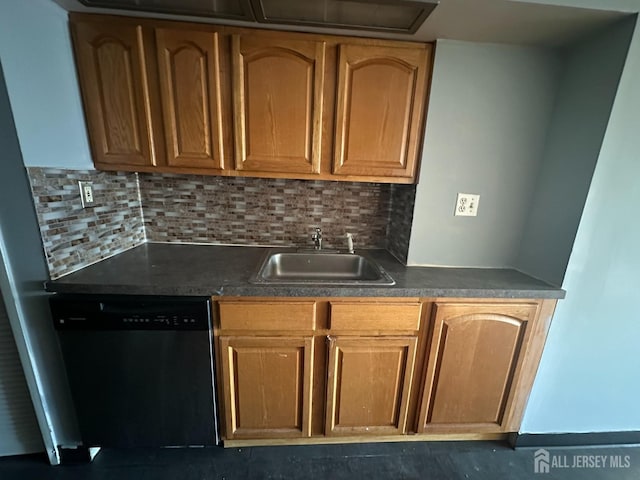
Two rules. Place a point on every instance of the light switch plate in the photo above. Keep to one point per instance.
(467, 205)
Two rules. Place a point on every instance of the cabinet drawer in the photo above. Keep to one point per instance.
(378, 316)
(268, 315)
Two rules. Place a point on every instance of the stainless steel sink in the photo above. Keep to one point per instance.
(324, 267)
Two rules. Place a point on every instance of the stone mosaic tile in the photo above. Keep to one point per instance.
(403, 198)
(133, 208)
(257, 211)
(74, 237)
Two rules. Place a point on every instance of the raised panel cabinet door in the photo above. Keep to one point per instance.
(379, 111)
(278, 95)
(267, 384)
(368, 385)
(474, 362)
(189, 72)
(113, 80)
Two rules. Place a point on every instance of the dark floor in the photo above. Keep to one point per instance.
(425, 461)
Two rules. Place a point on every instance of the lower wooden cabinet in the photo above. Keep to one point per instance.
(267, 386)
(473, 365)
(368, 385)
(429, 367)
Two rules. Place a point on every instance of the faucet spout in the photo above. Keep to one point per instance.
(317, 239)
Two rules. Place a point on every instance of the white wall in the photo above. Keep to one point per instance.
(35, 51)
(588, 377)
(631, 6)
(23, 271)
(489, 111)
(586, 95)
(587, 381)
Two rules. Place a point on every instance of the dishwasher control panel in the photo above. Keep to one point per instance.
(121, 312)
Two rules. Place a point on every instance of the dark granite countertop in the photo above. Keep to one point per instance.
(175, 269)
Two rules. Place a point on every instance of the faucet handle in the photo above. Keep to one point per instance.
(349, 242)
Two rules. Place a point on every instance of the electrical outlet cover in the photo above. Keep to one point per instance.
(86, 194)
(467, 205)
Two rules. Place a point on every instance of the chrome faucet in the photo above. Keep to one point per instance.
(317, 239)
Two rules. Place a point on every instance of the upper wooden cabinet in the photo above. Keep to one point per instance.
(210, 99)
(189, 74)
(278, 95)
(474, 366)
(381, 96)
(111, 67)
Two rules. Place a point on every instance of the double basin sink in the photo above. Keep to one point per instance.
(320, 267)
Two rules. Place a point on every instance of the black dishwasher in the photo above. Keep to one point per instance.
(140, 368)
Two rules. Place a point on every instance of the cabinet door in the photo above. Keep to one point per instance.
(278, 94)
(368, 385)
(112, 74)
(381, 96)
(267, 384)
(190, 92)
(474, 361)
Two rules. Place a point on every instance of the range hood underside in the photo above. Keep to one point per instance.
(392, 16)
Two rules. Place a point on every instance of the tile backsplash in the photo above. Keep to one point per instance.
(251, 211)
(133, 208)
(403, 198)
(74, 237)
